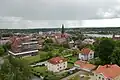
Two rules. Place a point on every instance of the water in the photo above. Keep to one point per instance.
(99, 35)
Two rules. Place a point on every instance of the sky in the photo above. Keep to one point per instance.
(53, 13)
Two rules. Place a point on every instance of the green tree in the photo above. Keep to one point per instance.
(7, 46)
(61, 49)
(15, 69)
(48, 41)
(105, 50)
(47, 48)
(2, 51)
(116, 56)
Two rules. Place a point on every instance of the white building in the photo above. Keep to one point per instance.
(86, 54)
(57, 64)
(88, 41)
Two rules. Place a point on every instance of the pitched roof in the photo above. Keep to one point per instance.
(109, 71)
(56, 60)
(85, 65)
(85, 50)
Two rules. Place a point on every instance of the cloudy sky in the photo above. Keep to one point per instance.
(53, 13)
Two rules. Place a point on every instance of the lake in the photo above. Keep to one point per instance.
(99, 35)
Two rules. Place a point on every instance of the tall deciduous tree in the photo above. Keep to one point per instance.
(116, 56)
(105, 50)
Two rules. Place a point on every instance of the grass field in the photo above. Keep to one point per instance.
(33, 59)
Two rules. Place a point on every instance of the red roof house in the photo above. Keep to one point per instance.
(57, 60)
(57, 64)
(85, 65)
(109, 71)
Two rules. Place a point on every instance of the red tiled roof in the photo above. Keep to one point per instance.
(59, 35)
(57, 60)
(109, 71)
(85, 51)
(85, 65)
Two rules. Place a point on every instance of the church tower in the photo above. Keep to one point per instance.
(62, 31)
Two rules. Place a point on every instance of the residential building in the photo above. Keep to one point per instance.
(86, 54)
(107, 72)
(57, 64)
(84, 65)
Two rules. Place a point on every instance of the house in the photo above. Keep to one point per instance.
(88, 41)
(86, 54)
(4, 40)
(57, 64)
(71, 44)
(116, 37)
(84, 65)
(107, 72)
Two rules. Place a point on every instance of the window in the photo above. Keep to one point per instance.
(60, 67)
(99, 77)
(108, 79)
(57, 68)
(102, 78)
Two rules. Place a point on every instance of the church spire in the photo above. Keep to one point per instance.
(62, 29)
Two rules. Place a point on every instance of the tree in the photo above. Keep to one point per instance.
(116, 56)
(47, 48)
(105, 50)
(15, 69)
(7, 46)
(75, 52)
(61, 49)
(2, 51)
(49, 41)
(50, 54)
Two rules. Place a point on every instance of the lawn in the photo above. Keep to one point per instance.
(33, 59)
(72, 59)
(70, 65)
(40, 69)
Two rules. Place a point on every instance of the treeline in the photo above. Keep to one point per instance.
(105, 29)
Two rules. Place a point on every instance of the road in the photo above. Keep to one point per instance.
(77, 73)
(40, 63)
(36, 78)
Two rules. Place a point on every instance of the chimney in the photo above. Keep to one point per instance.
(107, 66)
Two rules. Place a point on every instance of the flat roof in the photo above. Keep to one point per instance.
(26, 52)
(32, 42)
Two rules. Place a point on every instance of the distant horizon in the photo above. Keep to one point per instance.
(60, 28)
(18, 23)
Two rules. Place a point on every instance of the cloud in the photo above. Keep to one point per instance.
(54, 9)
(21, 23)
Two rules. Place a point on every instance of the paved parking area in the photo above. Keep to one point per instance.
(77, 73)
